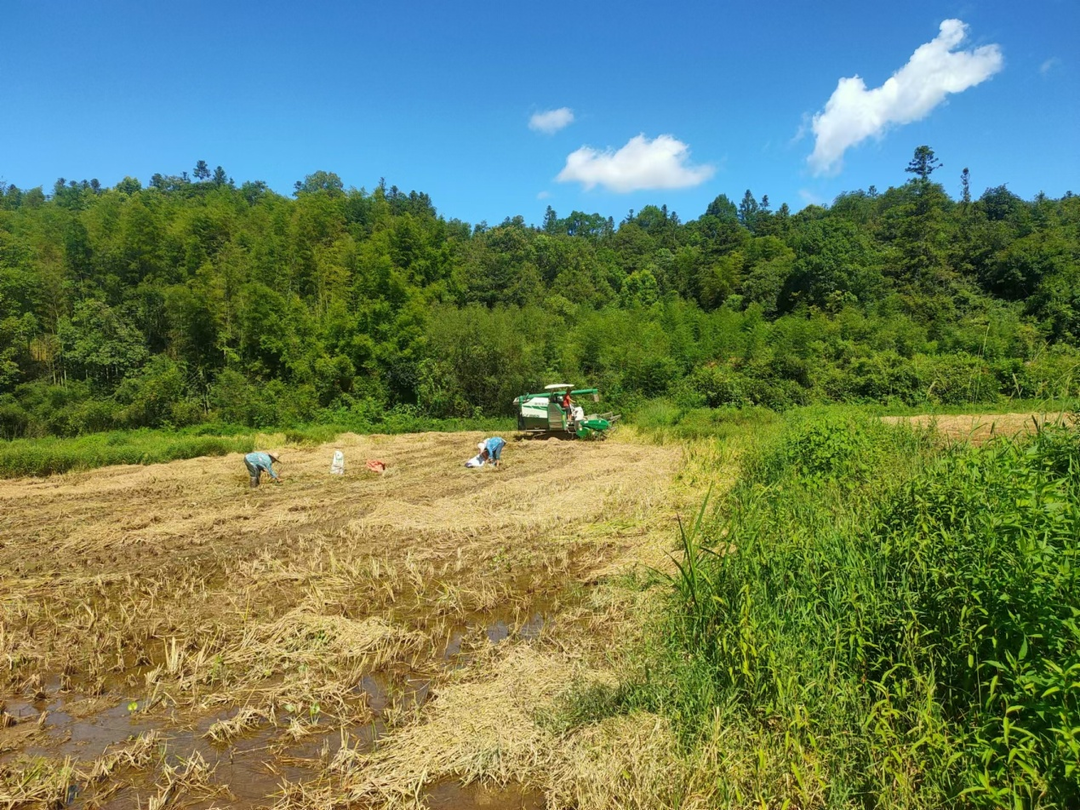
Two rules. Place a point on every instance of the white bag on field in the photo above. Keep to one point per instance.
(337, 466)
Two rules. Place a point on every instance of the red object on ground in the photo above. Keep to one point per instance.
(377, 467)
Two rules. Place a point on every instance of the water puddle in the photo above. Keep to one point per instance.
(530, 630)
(249, 768)
(496, 629)
(452, 795)
(377, 688)
(453, 644)
(253, 770)
(248, 771)
(387, 692)
(503, 628)
(79, 726)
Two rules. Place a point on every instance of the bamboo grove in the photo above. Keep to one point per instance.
(197, 299)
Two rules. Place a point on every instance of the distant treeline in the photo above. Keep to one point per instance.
(193, 299)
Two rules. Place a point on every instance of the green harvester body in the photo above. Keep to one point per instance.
(544, 414)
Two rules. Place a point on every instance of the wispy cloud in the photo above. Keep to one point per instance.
(543, 195)
(1049, 66)
(936, 69)
(551, 121)
(642, 164)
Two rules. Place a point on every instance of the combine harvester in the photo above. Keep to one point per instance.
(544, 414)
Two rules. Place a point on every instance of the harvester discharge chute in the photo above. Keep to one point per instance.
(549, 414)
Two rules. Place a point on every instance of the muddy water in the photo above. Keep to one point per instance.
(64, 730)
(453, 795)
(249, 771)
(251, 768)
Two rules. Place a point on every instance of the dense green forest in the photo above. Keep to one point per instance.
(195, 299)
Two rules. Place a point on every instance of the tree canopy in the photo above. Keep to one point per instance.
(194, 299)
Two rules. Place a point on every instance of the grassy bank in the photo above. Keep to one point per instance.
(668, 420)
(869, 620)
(47, 456)
(23, 457)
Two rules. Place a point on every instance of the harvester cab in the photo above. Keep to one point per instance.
(558, 412)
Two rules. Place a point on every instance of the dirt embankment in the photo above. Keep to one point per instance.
(169, 635)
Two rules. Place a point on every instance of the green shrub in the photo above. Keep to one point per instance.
(875, 622)
(718, 385)
(844, 447)
(956, 379)
(777, 394)
(1055, 373)
(14, 419)
(887, 376)
(147, 399)
(665, 420)
(988, 544)
(658, 413)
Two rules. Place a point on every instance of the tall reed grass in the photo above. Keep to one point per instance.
(871, 621)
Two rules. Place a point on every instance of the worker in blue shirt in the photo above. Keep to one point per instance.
(491, 450)
(258, 463)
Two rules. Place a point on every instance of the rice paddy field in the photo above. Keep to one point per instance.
(819, 610)
(170, 637)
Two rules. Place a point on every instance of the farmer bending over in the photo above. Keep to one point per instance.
(258, 463)
(491, 450)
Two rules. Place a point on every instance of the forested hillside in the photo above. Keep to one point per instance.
(195, 299)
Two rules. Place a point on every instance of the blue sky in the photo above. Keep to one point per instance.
(500, 109)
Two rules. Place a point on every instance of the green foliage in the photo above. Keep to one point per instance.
(482, 358)
(14, 420)
(100, 343)
(869, 620)
(842, 448)
(48, 456)
(989, 543)
(1053, 374)
(952, 379)
(155, 397)
(924, 163)
(666, 421)
(193, 299)
(715, 386)
(238, 402)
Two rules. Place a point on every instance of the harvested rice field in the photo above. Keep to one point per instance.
(979, 428)
(170, 637)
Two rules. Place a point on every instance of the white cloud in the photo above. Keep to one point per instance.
(642, 164)
(805, 127)
(551, 121)
(1049, 66)
(543, 195)
(936, 69)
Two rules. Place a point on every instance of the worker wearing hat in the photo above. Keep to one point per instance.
(258, 463)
